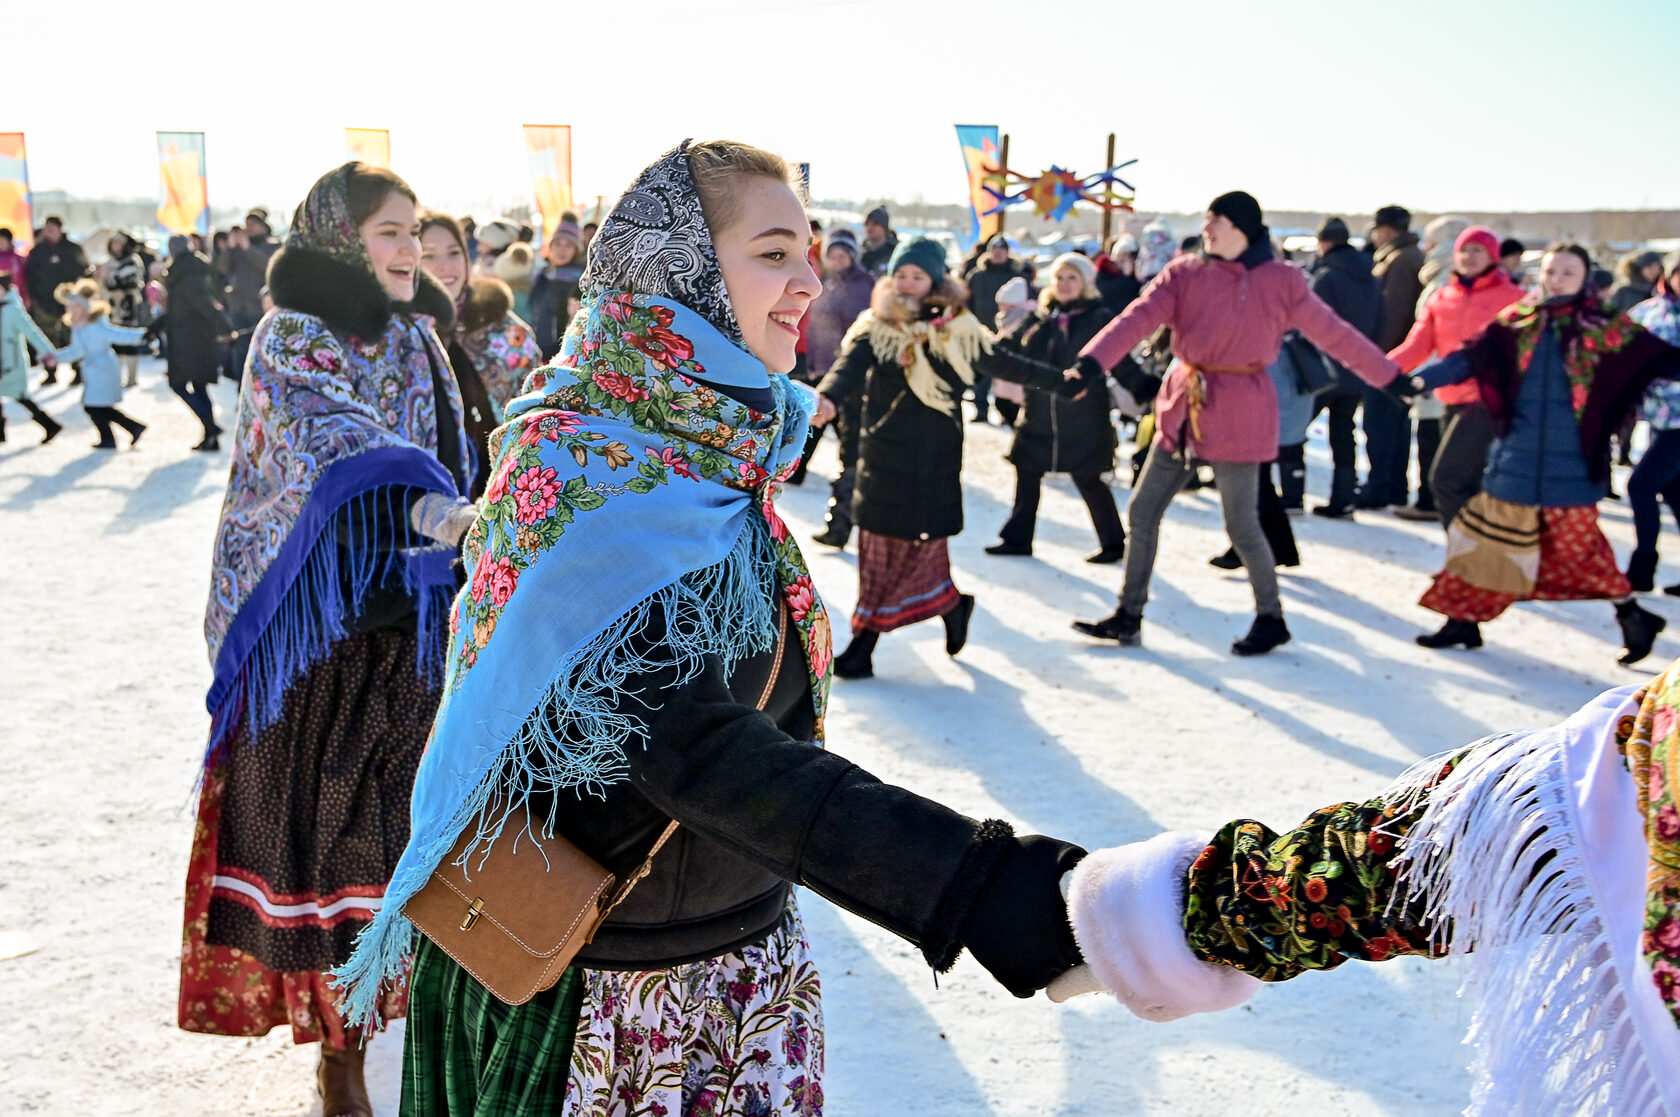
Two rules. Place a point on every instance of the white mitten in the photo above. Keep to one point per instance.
(1127, 908)
(443, 518)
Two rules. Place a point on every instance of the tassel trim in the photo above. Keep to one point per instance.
(1497, 861)
(576, 739)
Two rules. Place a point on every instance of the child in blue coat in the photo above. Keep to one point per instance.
(92, 341)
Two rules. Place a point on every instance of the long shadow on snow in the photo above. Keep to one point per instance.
(49, 485)
(883, 1034)
(166, 488)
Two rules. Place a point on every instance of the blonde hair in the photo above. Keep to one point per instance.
(716, 164)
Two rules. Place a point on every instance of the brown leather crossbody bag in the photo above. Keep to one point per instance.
(531, 903)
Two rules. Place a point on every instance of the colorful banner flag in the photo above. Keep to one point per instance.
(548, 149)
(369, 145)
(15, 213)
(183, 186)
(980, 151)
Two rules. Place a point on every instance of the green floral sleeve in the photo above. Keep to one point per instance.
(1275, 905)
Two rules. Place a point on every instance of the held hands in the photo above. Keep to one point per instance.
(826, 411)
(443, 518)
(1403, 389)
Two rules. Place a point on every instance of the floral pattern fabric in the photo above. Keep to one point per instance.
(736, 1036)
(1576, 564)
(1276, 905)
(1652, 749)
(503, 353)
(1661, 405)
(1588, 331)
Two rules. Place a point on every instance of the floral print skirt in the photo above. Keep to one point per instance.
(739, 1035)
(1576, 564)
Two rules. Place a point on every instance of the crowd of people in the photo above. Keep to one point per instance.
(500, 549)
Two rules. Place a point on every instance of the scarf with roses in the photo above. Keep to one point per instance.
(1587, 330)
(1653, 756)
(623, 485)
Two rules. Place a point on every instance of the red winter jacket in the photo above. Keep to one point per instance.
(1454, 315)
(1227, 315)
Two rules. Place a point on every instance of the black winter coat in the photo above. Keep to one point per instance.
(1054, 434)
(193, 325)
(1343, 278)
(760, 806)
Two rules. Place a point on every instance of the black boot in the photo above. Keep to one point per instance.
(1642, 571)
(857, 661)
(1108, 554)
(50, 427)
(1227, 561)
(1453, 634)
(1639, 631)
(1266, 633)
(1340, 505)
(956, 624)
(1292, 477)
(1008, 548)
(1123, 627)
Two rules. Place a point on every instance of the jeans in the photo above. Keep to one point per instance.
(1388, 446)
(1656, 475)
(1099, 501)
(197, 397)
(1239, 487)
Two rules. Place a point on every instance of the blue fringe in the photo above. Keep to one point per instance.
(330, 587)
(575, 739)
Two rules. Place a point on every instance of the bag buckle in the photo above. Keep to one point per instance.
(474, 910)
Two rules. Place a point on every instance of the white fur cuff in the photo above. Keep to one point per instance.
(1127, 907)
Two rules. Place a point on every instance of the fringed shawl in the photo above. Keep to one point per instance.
(1531, 860)
(621, 485)
(331, 430)
(951, 334)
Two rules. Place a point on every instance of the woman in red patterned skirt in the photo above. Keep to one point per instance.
(909, 356)
(1558, 370)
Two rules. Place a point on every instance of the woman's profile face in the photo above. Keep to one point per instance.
(767, 270)
(912, 282)
(441, 256)
(1562, 275)
(392, 238)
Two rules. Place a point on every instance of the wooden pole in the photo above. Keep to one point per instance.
(1003, 161)
(1108, 195)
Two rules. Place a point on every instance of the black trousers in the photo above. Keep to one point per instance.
(1456, 473)
(1099, 501)
(197, 397)
(1342, 411)
(103, 417)
(1428, 445)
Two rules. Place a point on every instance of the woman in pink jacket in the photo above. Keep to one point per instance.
(1453, 314)
(1229, 309)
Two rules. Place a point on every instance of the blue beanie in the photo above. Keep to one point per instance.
(926, 253)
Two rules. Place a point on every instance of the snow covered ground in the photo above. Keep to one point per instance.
(103, 673)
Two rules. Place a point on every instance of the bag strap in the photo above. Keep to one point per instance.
(646, 866)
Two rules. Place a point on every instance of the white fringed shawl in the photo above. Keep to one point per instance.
(1531, 856)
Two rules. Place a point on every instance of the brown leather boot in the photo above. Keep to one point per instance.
(343, 1088)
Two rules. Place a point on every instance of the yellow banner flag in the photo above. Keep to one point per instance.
(548, 147)
(14, 191)
(369, 145)
(183, 186)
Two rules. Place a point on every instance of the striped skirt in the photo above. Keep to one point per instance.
(901, 581)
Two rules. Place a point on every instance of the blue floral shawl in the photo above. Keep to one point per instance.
(621, 484)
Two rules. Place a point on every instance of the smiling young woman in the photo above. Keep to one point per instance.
(332, 564)
(641, 645)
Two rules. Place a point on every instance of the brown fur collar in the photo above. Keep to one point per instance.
(488, 300)
(951, 294)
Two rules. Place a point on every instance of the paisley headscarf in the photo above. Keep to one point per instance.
(656, 242)
(623, 487)
(325, 426)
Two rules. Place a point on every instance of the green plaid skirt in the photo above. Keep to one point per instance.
(466, 1054)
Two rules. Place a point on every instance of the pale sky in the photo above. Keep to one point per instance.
(1331, 105)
